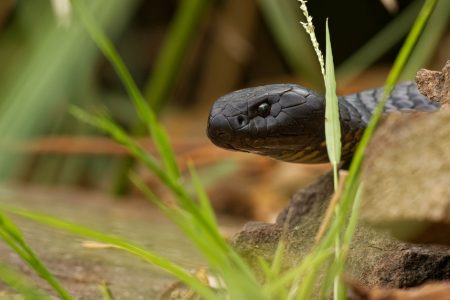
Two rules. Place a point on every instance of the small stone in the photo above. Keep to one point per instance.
(435, 85)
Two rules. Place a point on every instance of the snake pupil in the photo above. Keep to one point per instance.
(264, 109)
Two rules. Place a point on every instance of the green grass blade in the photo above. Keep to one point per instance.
(191, 226)
(350, 192)
(264, 266)
(378, 45)
(105, 124)
(428, 40)
(282, 20)
(184, 201)
(12, 236)
(310, 262)
(278, 257)
(161, 141)
(181, 33)
(21, 284)
(332, 124)
(348, 236)
(409, 44)
(121, 244)
(222, 259)
(308, 282)
(106, 292)
(36, 80)
(146, 115)
(393, 77)
(111, 54)
(203, 200)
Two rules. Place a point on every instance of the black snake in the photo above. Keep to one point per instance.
(286, 121)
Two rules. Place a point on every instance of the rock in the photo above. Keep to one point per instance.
(407, 187)
(429, 291)
(406, 174)
(411, 266)
(435, 85)
(375, 259)
(304, 211)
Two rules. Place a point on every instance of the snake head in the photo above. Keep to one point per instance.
(279, 120)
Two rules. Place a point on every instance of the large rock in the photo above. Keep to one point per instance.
(407, 177)
(375, 258)
(406, 172)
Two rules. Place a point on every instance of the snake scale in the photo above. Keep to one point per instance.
(286, 121)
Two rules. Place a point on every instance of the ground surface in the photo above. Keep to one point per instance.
(82, 269)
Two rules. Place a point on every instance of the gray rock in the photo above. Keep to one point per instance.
(375, 258)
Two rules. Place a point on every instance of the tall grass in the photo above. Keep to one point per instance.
(163, 76)
(347, 209)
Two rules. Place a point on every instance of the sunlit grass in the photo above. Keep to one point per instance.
(332, 137)
(117, 242)
(347, 209)
(167, 67)
(13, 237)
(22, 285)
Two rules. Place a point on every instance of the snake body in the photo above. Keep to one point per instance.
(286, 121)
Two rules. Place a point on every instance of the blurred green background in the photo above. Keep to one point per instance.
(183, 55)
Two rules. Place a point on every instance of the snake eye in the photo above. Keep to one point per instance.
(264, 109)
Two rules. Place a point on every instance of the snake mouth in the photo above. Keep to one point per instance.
(231, 147)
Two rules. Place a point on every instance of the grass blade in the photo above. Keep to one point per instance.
(393, 77)
(181, 34)
(146, 115)
(347, 206)
(106, 292)
(378, 45)
(282, 20)
(222, 259)
(12, 236)
(21, 284)
(184, 200)
(204, 204)
(350, 194)
(332, 124)
(121, 244)
(192, 214)
(428, 40)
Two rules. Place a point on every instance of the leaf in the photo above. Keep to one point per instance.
(332, 125)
